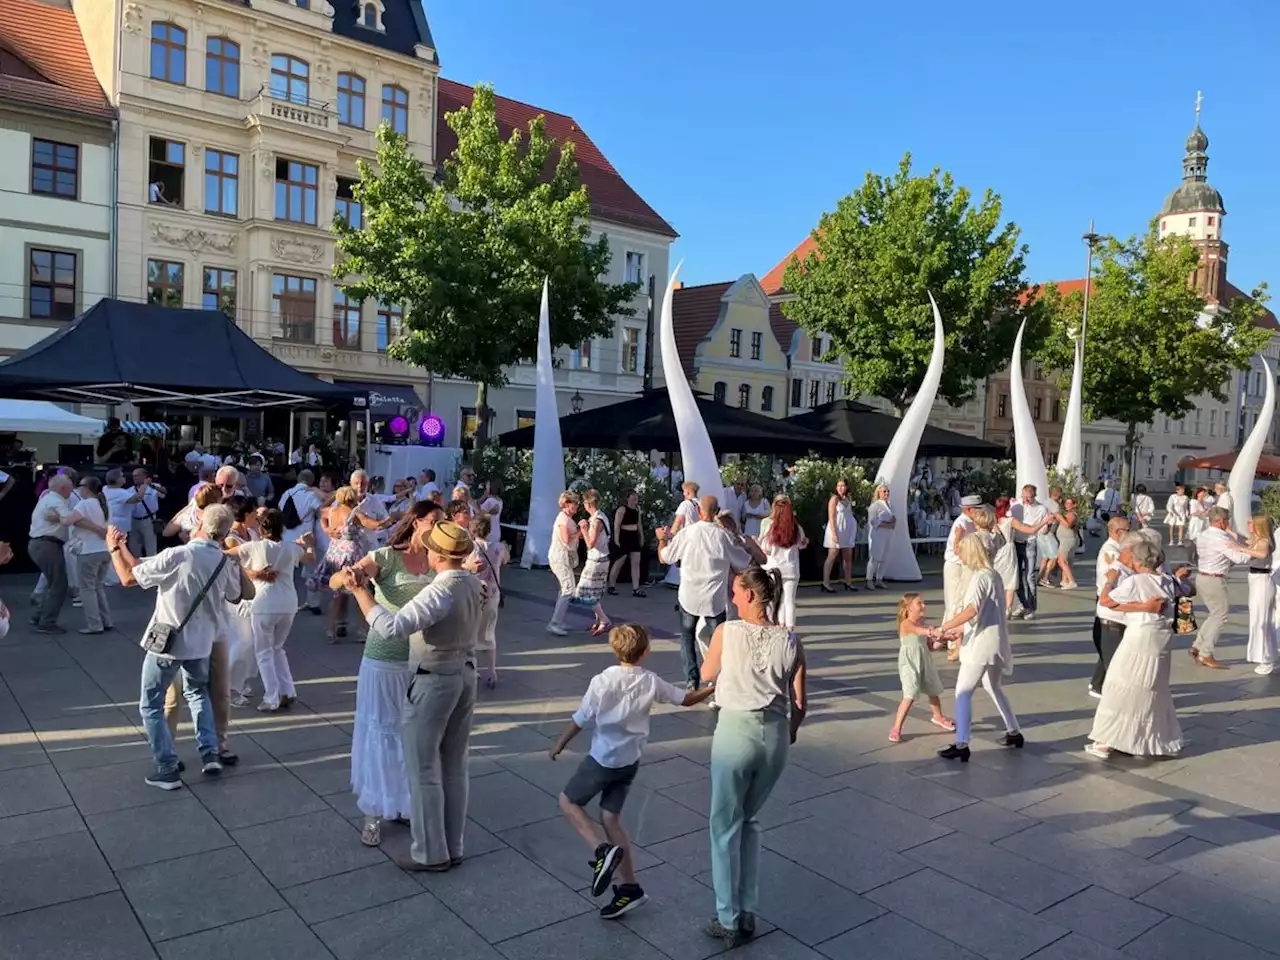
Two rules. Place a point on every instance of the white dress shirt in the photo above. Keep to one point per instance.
(425, 490)
(119, 509)
(707, 555)
(1030, 514)
(1217, 551)
(986, 639)
(89, 541)
(41, 525)
(178, 573)
(280, 595)
(1106, 613)
(618, 702)
(966, 527)
(1225, 501)
(1108, 554)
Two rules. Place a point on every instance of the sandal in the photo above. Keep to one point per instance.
(638, 593)
(895, 735)
(371, 835)
(612, 591)
(946, 723)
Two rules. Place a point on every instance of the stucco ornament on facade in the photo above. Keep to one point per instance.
(297, 251)
(132, 18)
(261, 53)
(193, 239)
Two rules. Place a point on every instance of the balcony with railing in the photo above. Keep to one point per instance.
(293, 110)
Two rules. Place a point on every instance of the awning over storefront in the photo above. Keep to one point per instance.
(1268, 464)
(382, 400)
(142, 428)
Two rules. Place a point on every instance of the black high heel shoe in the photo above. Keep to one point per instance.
(954, 753)
(850, 588)
(1014, 740)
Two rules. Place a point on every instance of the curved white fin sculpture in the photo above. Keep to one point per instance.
(1030, 463)
(900, 459)
(1240, 480)
(1069, 454)
(697, 456)
(548, 451)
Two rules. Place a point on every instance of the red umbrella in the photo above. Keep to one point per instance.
(1268, 464)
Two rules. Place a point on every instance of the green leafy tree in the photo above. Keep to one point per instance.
(1151, 346)
(879, 254)
(466, 252)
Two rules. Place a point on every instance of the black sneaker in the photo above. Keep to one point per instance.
(212, 766)
(165, 781)
(626, 898)
(607, 859)
(730, 938)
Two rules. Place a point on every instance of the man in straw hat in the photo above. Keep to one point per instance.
(443, 625)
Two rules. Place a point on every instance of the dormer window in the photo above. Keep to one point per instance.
(371, 14)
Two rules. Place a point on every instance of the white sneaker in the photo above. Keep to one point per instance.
(1029, 615)
(1095, 694)
(1264, 669)
(559, 631)
(1070, 586)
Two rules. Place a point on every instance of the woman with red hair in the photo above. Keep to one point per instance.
(1005, 561)
(782, 539)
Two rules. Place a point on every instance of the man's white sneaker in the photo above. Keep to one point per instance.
(556, 629)
(1264, 669)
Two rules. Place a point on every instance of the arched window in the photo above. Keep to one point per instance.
(371, 17)
(222, 67)
(744, 396)
(395, 108)
(766, 399)
(290, 78)
(351, 100)
(168, 53)
(718, 391)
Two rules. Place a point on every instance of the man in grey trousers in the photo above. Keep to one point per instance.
(48, 539)
(1217, 551)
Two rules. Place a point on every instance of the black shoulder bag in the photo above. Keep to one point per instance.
(159, 636)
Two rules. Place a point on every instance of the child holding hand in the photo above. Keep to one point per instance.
(916, 669)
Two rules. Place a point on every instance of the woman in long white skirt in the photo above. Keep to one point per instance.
(594, 532)
(1006, 559)
(242, 663)
(398, 573)
(1136, 713)
(880, 526)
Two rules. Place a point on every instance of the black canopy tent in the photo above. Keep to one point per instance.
(646, 423)
(382, 400)
(863, 431)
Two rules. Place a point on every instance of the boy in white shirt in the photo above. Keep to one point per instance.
(618, 702)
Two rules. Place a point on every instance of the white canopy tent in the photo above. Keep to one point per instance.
(40, 416)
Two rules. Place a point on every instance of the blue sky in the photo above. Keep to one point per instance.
(742, 122)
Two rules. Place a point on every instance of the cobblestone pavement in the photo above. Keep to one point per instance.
(873, 849)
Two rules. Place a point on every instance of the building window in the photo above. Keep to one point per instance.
(744, 396)
(1209, 221)
(55, 168)
(1164, 462)
(766, 399)
(1168, 424)
(526, 418)
(1182, 424)
(580, 356)
(831, 391)
(718, 392)
(1191, 221)
(218, 291)
(351, 100)
(395, 108)
(630, 349)
(735, 342)
(390, 322)
(296, 191)
(1055, 411)
(51, 285)
(1002, 405)
(221, 183)
(164, 282)
(167, 160)
(816, 352)
(844, 389)
(346, 320)
(1213, 423)
(1037, 409)
(346, 207)
(813, 393)
(757, 345)
(222, 67)
(168, 53)
(1196, 425)
(634, 267)
(290, 78)
(293, 307)
(370, 17)
(1085, 460)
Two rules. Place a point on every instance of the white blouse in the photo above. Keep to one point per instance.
(986, 640)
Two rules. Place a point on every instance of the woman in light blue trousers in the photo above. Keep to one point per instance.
(758, 669)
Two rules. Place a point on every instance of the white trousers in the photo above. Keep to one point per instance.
(952, 594)
(787, 607)
(1262, 619)
(967, 680)
(270, 631)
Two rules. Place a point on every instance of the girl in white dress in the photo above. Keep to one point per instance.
(487, 559)
(839, 537)
(1006, 560)
(985, 654)
(781, 539)
(1136, 713)
(562, 556)
(880, 525)
(594, 532)
(1177, 510)
(754, 510)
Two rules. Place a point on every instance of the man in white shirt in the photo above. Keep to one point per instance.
(1217, 551)
(47, 540)
(952, 568)
(1222, 498)
(306, 501)
(179, 574)
(426, 485)
(734, 498)
(1108, 498)
(145, 498)
(1030, 517)
(1108, 624)
(1144, 508)
(660, 472)
(707, 555)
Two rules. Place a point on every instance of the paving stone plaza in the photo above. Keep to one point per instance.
(872, 849)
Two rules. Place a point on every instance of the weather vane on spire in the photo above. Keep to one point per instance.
(1199, 100)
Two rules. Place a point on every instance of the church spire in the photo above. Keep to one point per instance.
(1195, 163)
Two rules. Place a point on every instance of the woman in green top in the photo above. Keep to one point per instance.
(398, 572)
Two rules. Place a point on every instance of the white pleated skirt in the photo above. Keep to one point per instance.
(1262, 619)
(378, 777)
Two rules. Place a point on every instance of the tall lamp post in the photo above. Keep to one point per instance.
(1070, 455)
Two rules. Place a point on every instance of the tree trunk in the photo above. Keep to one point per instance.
(482, 418)
(1127, 462)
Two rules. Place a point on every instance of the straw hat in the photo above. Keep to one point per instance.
(448, 539)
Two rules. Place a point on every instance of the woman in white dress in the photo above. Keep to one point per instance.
(880, 525)
(781, 539)
(242, 663)
(1198, 520)
(839, 536)
(1136, 713)
(1262, 596)
(1006, 560)
(562, 556)
(754, 509)
(985, 654)
(1177, 511)
(594, 531)
(492, 506)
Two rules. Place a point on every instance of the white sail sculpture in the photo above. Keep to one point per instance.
(548, 450)
(1240, 480)
(899, 460)
(697, 456)
(1030, 458)
(1069, 454)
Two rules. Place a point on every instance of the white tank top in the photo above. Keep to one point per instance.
(755, 667)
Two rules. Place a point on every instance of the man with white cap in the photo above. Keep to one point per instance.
(1029, 517)
(952, 568)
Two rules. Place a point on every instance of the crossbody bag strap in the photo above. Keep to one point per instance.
(222, 562)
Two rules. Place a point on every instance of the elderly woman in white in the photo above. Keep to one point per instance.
(880, 525)
(985, 654)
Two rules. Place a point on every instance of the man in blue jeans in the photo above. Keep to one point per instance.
(1028, 517)
(707, 555)
(180, 575)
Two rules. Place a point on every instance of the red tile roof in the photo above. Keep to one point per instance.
(784, 330)
(1267, 320)
(694, 311)
(772, 281)
(47, 38)
(612, 198)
